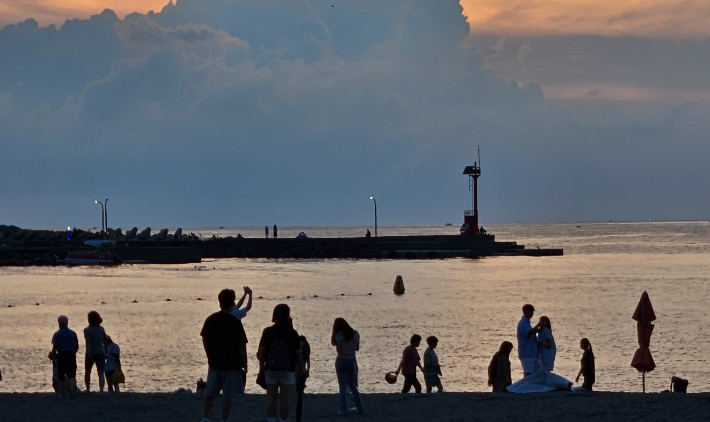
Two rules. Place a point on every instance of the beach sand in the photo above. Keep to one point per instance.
(555, 406)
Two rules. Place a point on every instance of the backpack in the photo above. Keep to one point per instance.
(679, 385)
(279, 356)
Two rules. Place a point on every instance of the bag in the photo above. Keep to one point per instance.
(279, 357)
(679, 385)
(261, 379)
(117, 377)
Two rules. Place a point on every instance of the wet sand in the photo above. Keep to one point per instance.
(555, 406)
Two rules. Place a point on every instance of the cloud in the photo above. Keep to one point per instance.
(236, 112)
(680, 19)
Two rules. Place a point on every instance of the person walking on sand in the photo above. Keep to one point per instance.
(280, 356)
(346, 341)
(95, 337)
(113, 363)
(432, 369)
(587, 369)
(65, 345)
(527, 343)
(225, 344)
(546, 344)
(499, 369)
(409, 364)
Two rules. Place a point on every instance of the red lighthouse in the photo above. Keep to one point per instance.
(470, 217)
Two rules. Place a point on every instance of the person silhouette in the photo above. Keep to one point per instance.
(527, 343)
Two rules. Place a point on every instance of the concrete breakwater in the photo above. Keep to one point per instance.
(43, 247)
(47, 247)
(388, 247)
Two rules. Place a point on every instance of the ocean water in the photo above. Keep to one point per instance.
(470, 305)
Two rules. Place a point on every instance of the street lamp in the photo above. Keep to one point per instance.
(106, 214)
(103, 215)
(373, 198)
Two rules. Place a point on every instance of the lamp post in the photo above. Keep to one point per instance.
(106, 215)
(373, 198)
(103, 215)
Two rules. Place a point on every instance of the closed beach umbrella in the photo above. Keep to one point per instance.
(644, 315)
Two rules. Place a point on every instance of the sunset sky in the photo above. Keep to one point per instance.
(318, 104)
(663, 18)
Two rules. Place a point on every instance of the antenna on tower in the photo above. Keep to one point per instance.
(479, 156)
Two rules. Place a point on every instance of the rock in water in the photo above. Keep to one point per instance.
(398, 285)
(178, 234)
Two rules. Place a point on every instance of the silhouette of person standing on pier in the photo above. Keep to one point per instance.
(266, 231)
(276, 232)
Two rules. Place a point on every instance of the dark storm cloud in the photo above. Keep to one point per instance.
(240, 112)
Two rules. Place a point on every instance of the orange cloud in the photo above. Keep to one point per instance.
(660, 18)
(57, 11)
(667, 18)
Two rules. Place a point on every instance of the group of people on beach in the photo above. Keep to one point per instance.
(284, 357)
(101, 351)
(537, 351)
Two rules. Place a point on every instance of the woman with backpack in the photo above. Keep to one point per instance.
(280, 357)
(346, 341)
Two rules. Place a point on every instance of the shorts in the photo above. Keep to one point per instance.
(529, 365)
(230, 383)
(99, 359)
(431, 380)
(280, 377)
(66, 365)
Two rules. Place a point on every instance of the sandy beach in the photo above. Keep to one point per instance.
(557, 406)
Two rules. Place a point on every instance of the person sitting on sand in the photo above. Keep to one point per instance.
(527, 345)
(546, 344)
(499, 369)
(432, 369)
(280, 355)
(587, 369)
(95, 337)
(113, 363)
(346, 341)
(225, 344)
(409, 364)
(65, 345)
(238, 311)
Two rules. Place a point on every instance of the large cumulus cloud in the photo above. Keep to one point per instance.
(240, 112)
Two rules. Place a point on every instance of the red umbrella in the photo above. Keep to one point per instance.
(643, 361)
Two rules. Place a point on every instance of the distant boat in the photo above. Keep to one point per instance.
(448, 224)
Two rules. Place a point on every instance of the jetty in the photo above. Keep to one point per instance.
(113, 247)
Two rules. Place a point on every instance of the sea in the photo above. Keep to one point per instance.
(155, 312)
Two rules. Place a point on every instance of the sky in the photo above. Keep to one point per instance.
(256, 112)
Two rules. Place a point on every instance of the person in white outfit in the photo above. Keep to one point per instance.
(527, 343)
(546, 344)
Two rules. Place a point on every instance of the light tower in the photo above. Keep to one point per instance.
(470, 217)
